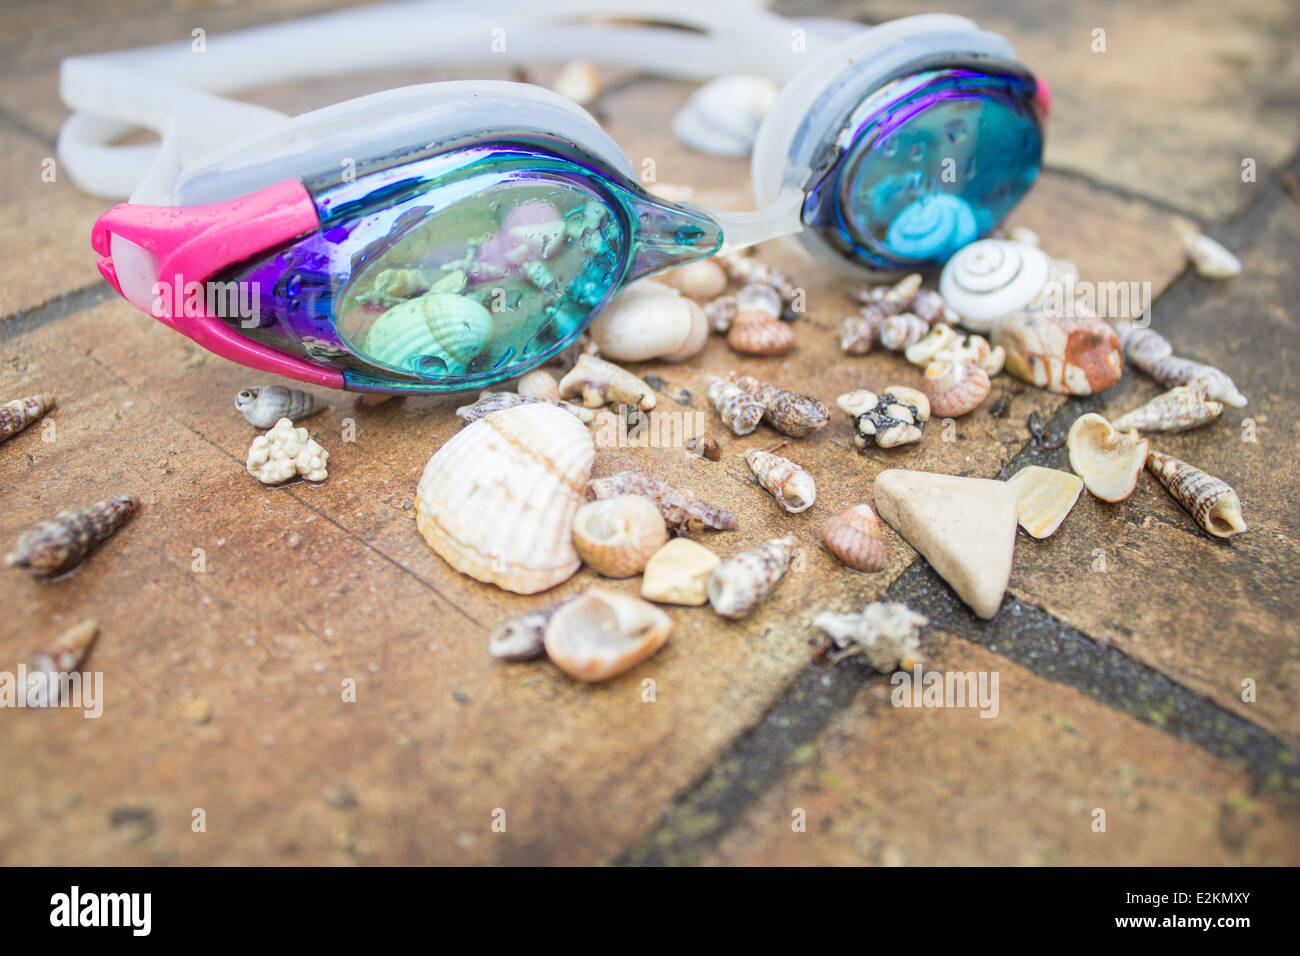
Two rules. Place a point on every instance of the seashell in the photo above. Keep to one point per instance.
(928, 304)
(1024, 234)
(895, 417)
(600, 382)
(284, 452)
(679, 507)
(64, 654)
(678, 573)
(539, 383)
(1107, 460)
(954, 388)
(22, 412)
(647, 321)
(721, 312)
(765, 336)
(530, 231)
(579, 81)
(975, 349)
(435, 329)
(1152, 353)
(761, 297)
(695, 340)
(926, 349)
(489, 402)
(899, 331)
(1211, 259)
(739, 410)
(1176, 410)
(1210, 501)
(860, 331)
(854, 537)
(602, 633)
(522, 638)
(992, 278)
(59, 543)
(722, 117)
(704, 446)
(889, 634)
(1044, 496)
(790, 485)
(497, 500)
(265, 405)
(788, 412)
(742, 267)
(617, 536)
(740, 582)
(890, 299)
(1077, 355)
(704, 279)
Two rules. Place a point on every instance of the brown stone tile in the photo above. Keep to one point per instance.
(914, 786)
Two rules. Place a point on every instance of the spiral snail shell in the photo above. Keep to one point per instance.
(992, 278)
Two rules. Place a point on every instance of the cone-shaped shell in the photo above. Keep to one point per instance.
(617, 536)
(21, 412)
(59, 543)
(449, 328)
(1210, 501)
(602, 633)
(1108, 461)
(854, 537)
(1176, 410)
(740, 582)
(791, 486)
(497, 501)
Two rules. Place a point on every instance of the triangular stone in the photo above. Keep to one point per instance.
(965, 528)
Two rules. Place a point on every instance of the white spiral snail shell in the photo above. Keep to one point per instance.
(994, 277)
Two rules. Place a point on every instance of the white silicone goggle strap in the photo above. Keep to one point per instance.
(173, 89)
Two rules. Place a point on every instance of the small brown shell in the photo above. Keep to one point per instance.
(721, 311)
(860, 331)
(954, 388)
(788, 412)
(1212, 502)
(760, 297)
(679, 507)
(899, 331)
(59, 543)
(22, 412)
(854, 537)
(755, 336)
(739, 583)
(617, 536)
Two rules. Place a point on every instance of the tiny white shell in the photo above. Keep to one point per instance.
(991, 278)
(722, 117)
(1210, 258)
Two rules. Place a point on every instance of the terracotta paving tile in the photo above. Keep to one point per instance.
(887, 785)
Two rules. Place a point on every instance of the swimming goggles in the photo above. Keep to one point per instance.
(451, 235)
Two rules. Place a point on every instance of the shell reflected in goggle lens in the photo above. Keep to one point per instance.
(483, 284)
(937, 159)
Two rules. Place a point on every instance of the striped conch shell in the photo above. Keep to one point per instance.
(21, 412)
(1151, 352)
(1210, 501)
(265, 405)
(59, 543)
(679, 507)
(755, 333)
(739, 411)
(790, 485)
(740, 582)
(435, 329)
(954, 388)
(497, 501)
(1176, 410)
(854, 537)
(788, 412)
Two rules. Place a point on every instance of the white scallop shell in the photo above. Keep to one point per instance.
(497, 501)
(722, 117)
(991, 278)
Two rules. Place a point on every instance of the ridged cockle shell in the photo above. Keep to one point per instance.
(854, 537)
(791, 486)
(497, 501)
(740, 582)
(1207, 499)
(435, 329)
(602, 633)
(61, 542)
(21, 412)
(617, 536)
(1107, 460)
